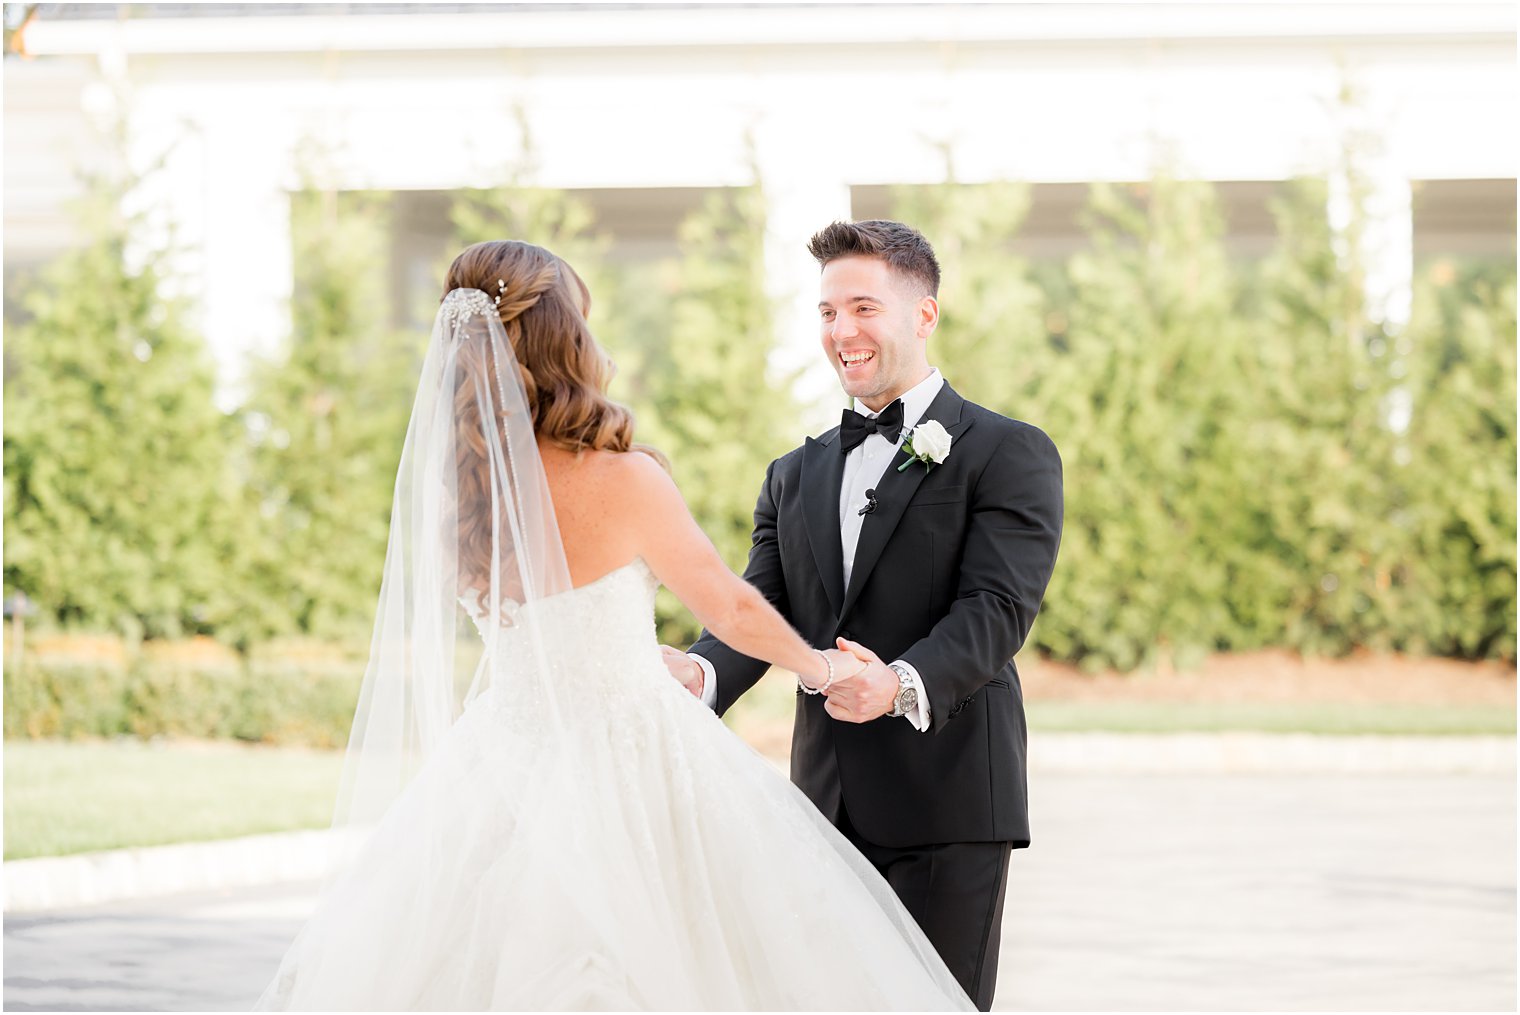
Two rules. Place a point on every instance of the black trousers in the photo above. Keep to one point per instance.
(955, 891)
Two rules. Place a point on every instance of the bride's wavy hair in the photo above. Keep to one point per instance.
(565, 373)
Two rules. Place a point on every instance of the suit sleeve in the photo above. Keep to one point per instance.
(1010, 551)
(736, 672)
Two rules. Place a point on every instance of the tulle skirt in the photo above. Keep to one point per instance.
(640, 857)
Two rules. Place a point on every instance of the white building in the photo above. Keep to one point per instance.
(644, 108)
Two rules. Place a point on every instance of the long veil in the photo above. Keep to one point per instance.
(473, 547)
(473, 537)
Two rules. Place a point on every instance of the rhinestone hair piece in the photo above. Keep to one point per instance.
(462, 304)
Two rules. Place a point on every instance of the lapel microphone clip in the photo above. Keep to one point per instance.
(870, 503)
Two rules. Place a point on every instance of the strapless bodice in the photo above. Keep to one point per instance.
(596, 643)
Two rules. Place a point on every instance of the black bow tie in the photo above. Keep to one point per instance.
(855, 428)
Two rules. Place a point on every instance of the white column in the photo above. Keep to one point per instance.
(801, 198)
(218, 202)
(1369, 171)
(1388, 248)
(247, 269)
(1386, 244)
(1388, 254)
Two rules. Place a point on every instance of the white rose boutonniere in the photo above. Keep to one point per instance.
(928, 443)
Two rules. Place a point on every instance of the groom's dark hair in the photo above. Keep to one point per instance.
(902, 247)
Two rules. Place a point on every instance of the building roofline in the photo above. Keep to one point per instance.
(317, 28)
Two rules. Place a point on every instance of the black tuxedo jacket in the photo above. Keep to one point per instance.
(948, 575)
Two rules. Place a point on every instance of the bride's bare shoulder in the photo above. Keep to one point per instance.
(607, 479)
(607, 504)
(589, 465)
(641, 473)
(584, 465)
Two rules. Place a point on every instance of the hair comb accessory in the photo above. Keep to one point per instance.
(462, 304)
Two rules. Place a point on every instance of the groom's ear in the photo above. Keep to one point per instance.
(928, 315)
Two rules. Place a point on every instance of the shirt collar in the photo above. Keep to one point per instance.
(915, 400)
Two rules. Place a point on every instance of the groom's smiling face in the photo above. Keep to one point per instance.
(875, 324)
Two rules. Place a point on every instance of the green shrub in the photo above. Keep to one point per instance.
(1457, 460)
(288, 704)
(119, 513)
(1251, 459)
(262, 701)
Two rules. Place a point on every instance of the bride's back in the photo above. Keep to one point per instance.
(542, 305)
(613, 502)
(585, 489)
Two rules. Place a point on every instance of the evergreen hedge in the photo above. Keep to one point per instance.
(118, 486)
(269, 702)
(1251, 458)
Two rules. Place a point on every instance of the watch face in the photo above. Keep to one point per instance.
(907, 699)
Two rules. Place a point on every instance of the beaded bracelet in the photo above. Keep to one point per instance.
(830, 664)
(827, 682)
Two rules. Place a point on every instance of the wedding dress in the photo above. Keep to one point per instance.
(701, 878)
(574, 831)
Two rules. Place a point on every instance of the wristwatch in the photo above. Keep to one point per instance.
(907, 694)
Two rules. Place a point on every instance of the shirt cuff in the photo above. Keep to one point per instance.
(709, 681)
(918, 715)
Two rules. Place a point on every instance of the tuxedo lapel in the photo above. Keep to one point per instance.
(822, 474)
(893, 493)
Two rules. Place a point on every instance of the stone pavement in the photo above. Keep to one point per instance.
(210, 952)
(1256, 892)
(1142, 892)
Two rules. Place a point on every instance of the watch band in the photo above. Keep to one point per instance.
(907, 694)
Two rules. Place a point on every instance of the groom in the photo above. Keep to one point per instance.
(938, 563)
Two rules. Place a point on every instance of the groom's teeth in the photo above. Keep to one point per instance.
(855, 358)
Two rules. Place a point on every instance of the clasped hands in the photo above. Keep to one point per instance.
(863, 687)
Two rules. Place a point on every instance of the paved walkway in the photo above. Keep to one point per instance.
(1265, 892)
(1233, 892)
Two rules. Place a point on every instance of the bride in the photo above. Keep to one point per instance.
(539, 817)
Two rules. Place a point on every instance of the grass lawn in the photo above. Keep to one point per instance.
(71, 797)
(764, 716)
(1270, 717)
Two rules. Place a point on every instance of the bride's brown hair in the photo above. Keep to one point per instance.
(564, 372)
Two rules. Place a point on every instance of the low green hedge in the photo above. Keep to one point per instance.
(266, 702)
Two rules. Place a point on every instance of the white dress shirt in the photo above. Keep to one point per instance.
(864, 467)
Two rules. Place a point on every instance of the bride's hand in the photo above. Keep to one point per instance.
(683, 668)
(845, 665)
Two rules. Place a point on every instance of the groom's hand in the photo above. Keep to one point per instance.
(865, 695)
(684, 668)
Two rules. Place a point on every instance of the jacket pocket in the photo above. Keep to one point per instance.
(948, 495)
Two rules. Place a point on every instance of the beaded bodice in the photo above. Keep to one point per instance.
(597, 639)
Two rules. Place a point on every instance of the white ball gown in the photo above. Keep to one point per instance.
(635, 855)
